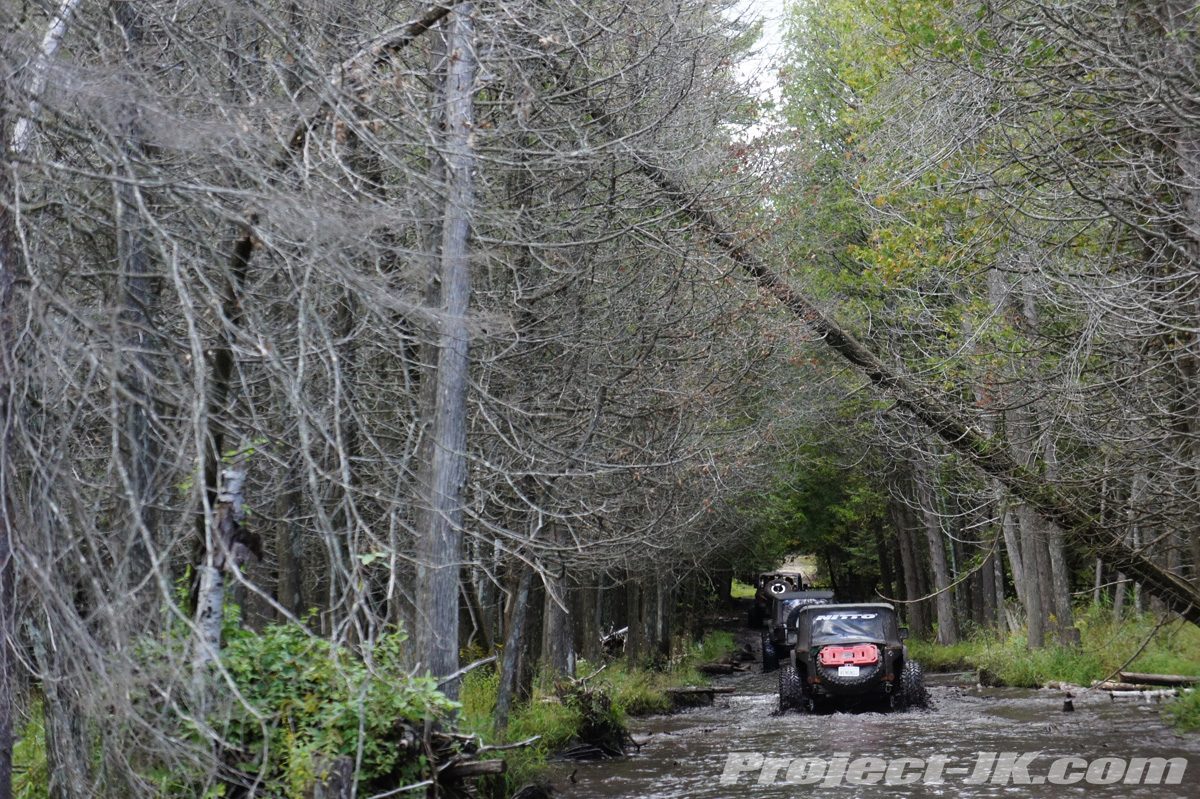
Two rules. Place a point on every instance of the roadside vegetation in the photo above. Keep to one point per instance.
(514, 325)
(560, 710)
(1136, 643)
(306, 703)
(1106, 647)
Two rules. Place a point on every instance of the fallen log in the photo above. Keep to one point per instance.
(1059, 685)
(1113, 685)
(1158, 679)
(471, 769)
(1146, 695)
(720, 668)
(696, 696)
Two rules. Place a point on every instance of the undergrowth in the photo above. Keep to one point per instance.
(1105, 648)
(623, 690)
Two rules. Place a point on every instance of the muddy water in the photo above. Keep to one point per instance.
(687, 754)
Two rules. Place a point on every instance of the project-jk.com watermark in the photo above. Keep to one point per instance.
(985, 768)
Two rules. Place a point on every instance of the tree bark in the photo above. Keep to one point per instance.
(439, 546)
(558, 651)
(68, 749)
(9, 266)
(289, 588)
(514, 637)
(918, 616)
(1031, 550)
(221, 554)
(15, 138)
(947, 623)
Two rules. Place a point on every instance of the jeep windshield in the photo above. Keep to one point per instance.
(842, 626)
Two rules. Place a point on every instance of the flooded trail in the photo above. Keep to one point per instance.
(685, 756)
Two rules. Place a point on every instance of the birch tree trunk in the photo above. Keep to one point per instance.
(220, 553)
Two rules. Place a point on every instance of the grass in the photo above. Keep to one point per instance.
(31, 775)
(633, 691)
(1184, 712)
(740, 590)
(1105, 648)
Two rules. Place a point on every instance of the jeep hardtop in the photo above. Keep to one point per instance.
(848, 654)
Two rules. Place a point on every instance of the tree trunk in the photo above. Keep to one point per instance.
(586, 609)
(664, 609)
(223, 551)
(947, 632)
(1064, 612)
(886, 571)
(439, 546)
(15, 138)
(1066, 507)
(514, 637)
(558, 652)
(1031, 549)
(1119, 597)
(1012, 545)
(289, 588)
(635, 638)
(917, 612)
(988, 610)
(1001, 605)
(9, 268)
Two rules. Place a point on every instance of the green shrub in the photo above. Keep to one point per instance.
(1184, 712)
(287, 702)
(31, 774)
(305, 698)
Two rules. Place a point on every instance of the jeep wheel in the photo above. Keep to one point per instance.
(912, 685)
(770, 655)
(791, 689)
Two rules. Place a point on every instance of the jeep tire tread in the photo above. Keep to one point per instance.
(791, 689)
(912, 685)
(770, 655)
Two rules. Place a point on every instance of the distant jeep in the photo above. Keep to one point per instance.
(777, 642)
(848, 654)
(769, 585)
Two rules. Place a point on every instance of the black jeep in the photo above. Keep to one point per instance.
(850, 655)
(767, 586)
(777, 641)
